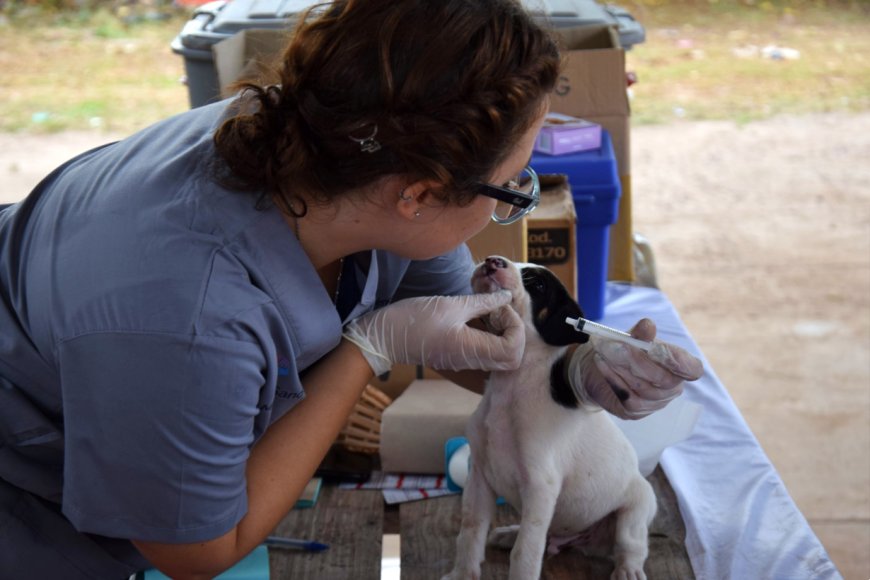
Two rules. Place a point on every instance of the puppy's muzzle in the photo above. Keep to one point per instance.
(493, 264)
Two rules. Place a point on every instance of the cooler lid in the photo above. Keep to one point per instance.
(217, 20)
(571, 13)
(242, 14)
(239, 15)
(563, 13)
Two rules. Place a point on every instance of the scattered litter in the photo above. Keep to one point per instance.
(400, 488)
(40, 117)
(679, 112)
(771, 52)
(95, 122)
(774, 52)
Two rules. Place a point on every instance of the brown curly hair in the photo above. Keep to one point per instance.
(450, 85)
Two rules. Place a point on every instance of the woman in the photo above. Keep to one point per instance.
(173, 305)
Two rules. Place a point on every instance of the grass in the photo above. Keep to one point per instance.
(700, 60)
(710, 63)
(100, 74)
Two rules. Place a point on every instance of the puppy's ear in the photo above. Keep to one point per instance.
(558, 332)
(551, 304)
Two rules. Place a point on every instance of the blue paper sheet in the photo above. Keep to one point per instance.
(255, 566)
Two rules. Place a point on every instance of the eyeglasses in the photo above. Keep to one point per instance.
(515, 198)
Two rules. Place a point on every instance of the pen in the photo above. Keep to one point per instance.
(307, 545)
(589, 327)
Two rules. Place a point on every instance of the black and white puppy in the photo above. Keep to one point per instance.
(566, 468)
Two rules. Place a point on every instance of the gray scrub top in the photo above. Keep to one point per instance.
(152, 325)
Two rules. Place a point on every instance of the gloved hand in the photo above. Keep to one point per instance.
(432, 331)
(626, 381)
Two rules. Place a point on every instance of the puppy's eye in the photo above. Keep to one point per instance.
(534, 284)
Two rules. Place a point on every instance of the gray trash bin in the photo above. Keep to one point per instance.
(218, 20)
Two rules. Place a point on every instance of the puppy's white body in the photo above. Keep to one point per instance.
(563, 469)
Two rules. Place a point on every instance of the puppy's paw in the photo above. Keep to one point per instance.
(628, 572)
(503, 538)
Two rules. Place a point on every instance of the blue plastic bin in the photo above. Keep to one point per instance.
(594, 181)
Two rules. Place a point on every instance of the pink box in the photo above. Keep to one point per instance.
(563, 134)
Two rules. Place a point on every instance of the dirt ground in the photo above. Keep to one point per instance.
(761, 235)
(762, 241)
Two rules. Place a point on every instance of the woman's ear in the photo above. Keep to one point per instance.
(415, 197)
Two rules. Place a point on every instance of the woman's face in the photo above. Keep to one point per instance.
(451, 224)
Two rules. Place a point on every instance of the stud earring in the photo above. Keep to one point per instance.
(403, 197)
(417, 214)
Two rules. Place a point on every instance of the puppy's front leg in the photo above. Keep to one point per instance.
(478, 508)
(539, 501)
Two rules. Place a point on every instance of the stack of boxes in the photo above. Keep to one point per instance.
(574, 221)
(593, 88)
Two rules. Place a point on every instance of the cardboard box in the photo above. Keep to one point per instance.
(593, 87)
(502, 240)
(552, 238)
(563, 134)
(416, 426)
(400, 376)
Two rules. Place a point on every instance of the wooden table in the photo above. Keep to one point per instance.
(353, 522)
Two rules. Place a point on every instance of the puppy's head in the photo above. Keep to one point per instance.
(539, 297)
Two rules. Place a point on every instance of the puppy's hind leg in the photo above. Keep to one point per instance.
(478, 508)
(632, 531)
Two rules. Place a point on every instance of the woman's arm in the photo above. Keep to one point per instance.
(281, 464)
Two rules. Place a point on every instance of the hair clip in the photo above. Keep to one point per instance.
(368, 144)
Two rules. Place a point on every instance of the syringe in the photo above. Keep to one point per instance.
(589, 327)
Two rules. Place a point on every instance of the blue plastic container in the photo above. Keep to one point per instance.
(594, 181)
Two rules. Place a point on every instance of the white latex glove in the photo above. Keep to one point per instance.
(432, 331)
(626, 381)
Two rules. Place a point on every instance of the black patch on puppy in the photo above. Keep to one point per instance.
(551, 304)
(560, 389)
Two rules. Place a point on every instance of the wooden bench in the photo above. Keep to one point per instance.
(353, 522)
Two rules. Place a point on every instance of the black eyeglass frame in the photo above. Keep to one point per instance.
(526, 202)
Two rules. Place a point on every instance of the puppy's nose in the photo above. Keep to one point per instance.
(494, 263)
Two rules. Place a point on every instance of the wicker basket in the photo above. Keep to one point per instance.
(362, 432)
